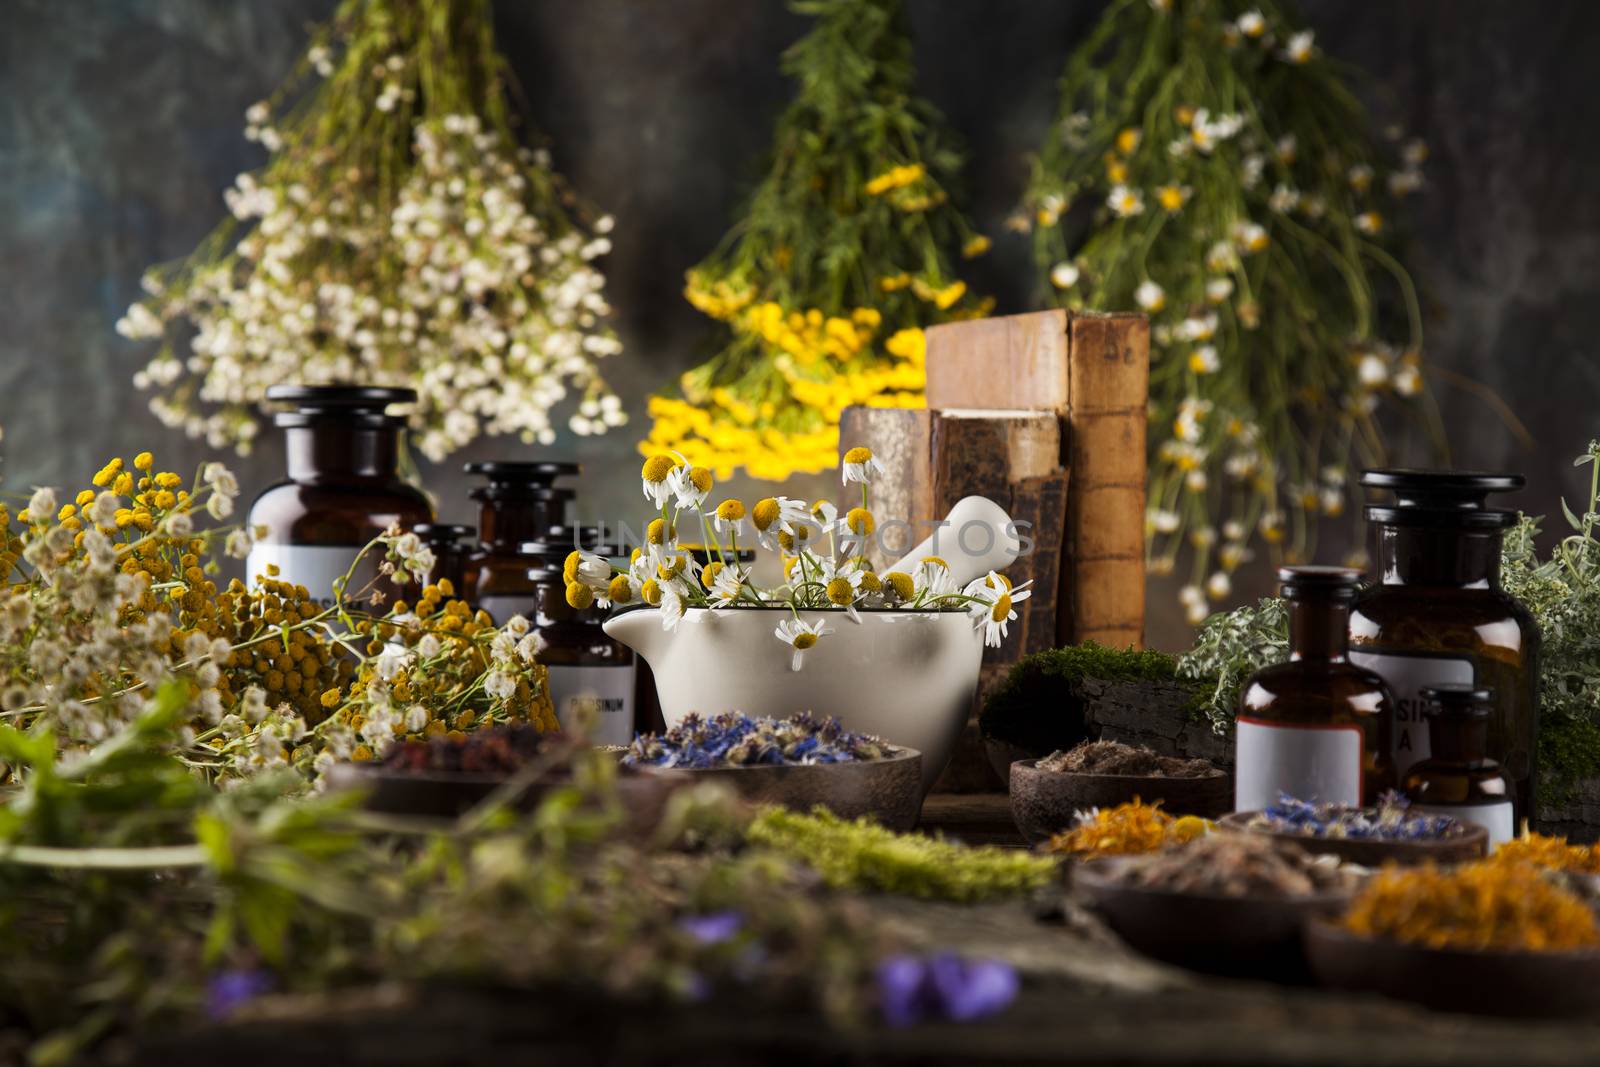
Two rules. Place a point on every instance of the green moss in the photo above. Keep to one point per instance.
(1569, 750)
(862, 855)
(1039, 707)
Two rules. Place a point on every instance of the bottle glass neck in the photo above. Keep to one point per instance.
(507, 524)
(1319, 630)
(1456, 740)
(331, 451)
(1422, 555)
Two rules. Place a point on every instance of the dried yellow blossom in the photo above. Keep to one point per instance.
(1484, 905)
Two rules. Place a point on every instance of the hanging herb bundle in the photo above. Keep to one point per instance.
(1210, 167)
(845, 252)
(398, 235)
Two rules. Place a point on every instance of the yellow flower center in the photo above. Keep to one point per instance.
(871, 582)
(658, 532)
(657, 467)
(708, 577)
(858, 455)
(1001, 609)
(840, 592)
(650, 592)
(619, 592)
(765, 513)
(701, 478)
(901, 583)
(860, 521)
(804, 641)
(935, 561)
(569, 570)
(730, 511)
(579, 595)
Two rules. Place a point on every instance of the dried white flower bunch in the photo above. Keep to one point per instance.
(398, 235)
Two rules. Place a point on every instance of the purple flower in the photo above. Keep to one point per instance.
(229, 990)
(713, 928)
(944, 986)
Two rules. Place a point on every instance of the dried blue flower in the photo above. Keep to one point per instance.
(713, 928)
(1389, 821)
(229, 990)
(734, 739)
(912, 989)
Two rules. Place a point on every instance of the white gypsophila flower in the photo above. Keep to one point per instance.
(468, 284)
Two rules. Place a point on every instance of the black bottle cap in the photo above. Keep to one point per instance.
(559, 541)
(1470, 701)
(443, 532)
(1441, 498)
(520, 491)
(1319, 583)
(542, 473)
(354, 405)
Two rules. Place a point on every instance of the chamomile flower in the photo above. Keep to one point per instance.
(1161, 520)
(1150, 296)
(860, 465)
(729, 517)
(800, 635)
(1064, 275)
(691, 486)
(726, 586)
(1219, 585)
(1252, 23)
(933, 579)
(587, 569)
(1125, 201)
(657, 479)
(671, 605)
(1408, 380)
(999, 607)
(1204, 360)
(1300, 48)
(1218, 290)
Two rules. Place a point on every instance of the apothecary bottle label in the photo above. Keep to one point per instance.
(316, 567)
(601, 698)
(1313, 763)
(1406, 676)
(1495, 818)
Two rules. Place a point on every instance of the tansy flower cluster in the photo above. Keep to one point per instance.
(823, 553)
(109, 597)
(845, 255)
(396, 236)
(1254, 230)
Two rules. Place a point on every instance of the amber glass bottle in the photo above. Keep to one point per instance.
(1439, 616)
(343, 486)
(452, 543)
(1316, 727)
(520, 503)
(591, 675)
(1458, 778)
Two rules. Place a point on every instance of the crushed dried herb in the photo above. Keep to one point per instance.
(862, 855)
(1389, 821)
(1127, 828)
(1483, 905)
(498, 750)
(1236, 865)
(1553, 853)
(734, 739)
(1114, 757)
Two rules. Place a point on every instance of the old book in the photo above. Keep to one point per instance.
(1094, 370)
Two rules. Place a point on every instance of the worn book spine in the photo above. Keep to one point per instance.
(1094, 370)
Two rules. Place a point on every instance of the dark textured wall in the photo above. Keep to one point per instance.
(120, 124)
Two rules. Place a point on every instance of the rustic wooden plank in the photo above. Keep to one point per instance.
(899, 437)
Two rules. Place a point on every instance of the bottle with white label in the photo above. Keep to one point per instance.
(1314, 728)
(342, 449)
(1439, 617)
(591, 675)
(1458, 778)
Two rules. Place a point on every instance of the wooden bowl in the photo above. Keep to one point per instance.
(1478, 981)
(889, 789)
(1046, 802)
(1248, 936)
(1472, 845)
(451, 794)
